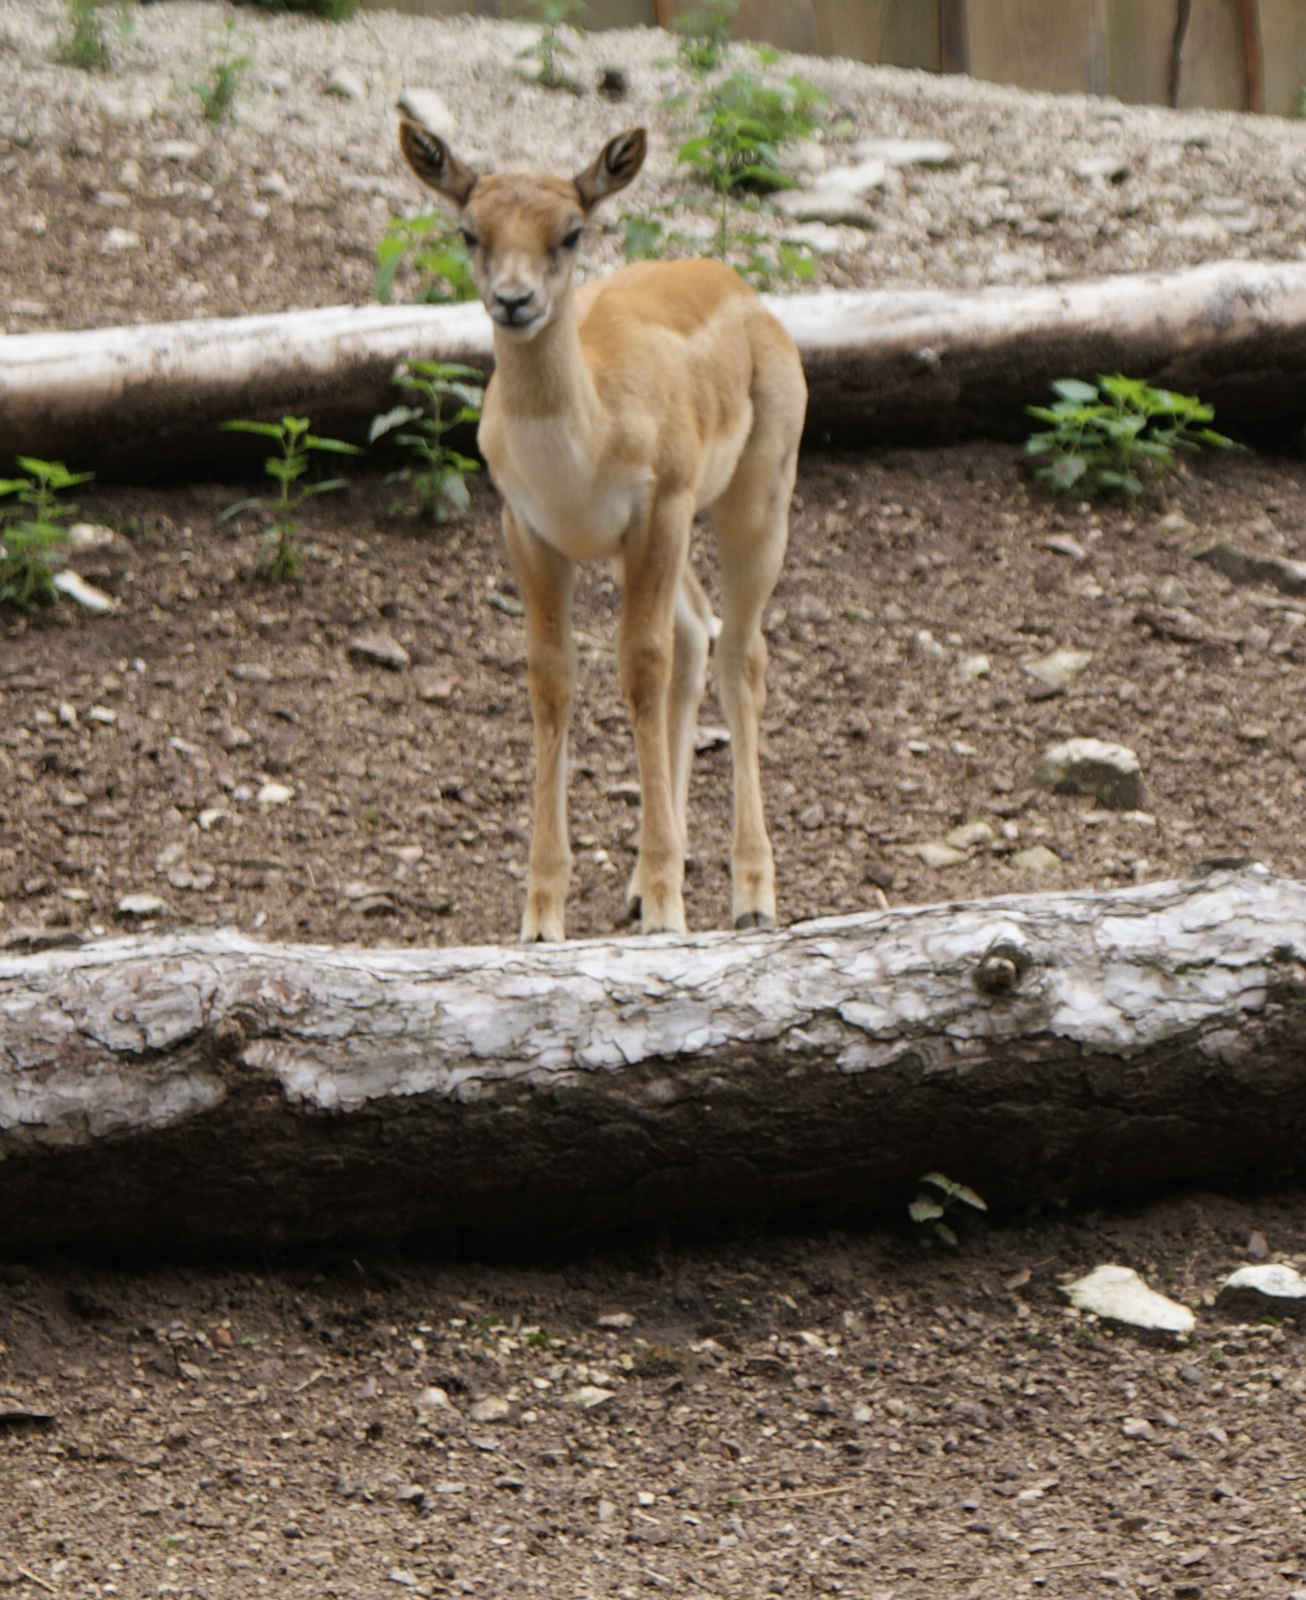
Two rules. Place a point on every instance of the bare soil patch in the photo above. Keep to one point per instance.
(135, 746)
(846, 1415)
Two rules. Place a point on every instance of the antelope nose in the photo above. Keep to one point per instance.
(514, 301)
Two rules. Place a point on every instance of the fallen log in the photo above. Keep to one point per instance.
(917, 367)
(203, 1090)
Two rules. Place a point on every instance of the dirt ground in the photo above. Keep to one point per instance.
(846, 1415)
(135, 746)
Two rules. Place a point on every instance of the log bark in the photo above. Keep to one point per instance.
(910, 367)
(201, 1091)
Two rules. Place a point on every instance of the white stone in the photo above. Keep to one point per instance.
(1058, 668)
(860, 179)
(380, 647)
(492, 1409)
(906, 152)
(616, 1319)
(432, 1399)
(428, 108)
(1272, 1281)
(588, 1396)
(1038, 859)
(825, 205)
(969, 834)
(85, 594)
(141, 905)
(345, 84)
(275, 794)
(1108, 772)
(93, 536)
(935, 853)
(1120, 1295)
(176, 150)
(118, 239)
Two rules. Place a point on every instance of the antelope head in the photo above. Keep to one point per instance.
(522, 228)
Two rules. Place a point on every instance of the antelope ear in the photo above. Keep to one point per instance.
(617, 165)
(434, 163)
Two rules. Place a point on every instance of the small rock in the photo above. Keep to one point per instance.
(1038, 860)
(1175, 528)
(977, 666)
(250, 672)
(1120, 1295)
(433, 685)
(706, 739)
(824, 205)
(432, 1399)
(811, 609)
(1110, 168)
(1137, 1428)
(1108, 772)
(1059, 668)
(345, 84)
(935, 853)
(927, 645)
(811, 818)
(969, 834)
(275, 794)
(381, 648)
(861, 179)
(614, 82)
(142, 905)
(29, 308)
(94, 536)
(175, 150)
(274, 183)
(616, 1319)
(492, 1409)
(588, 1396)
(1063, 545)
(907, 152)
(85, 594)
(1257, 1248)
(1273, 1287)
(119, 239)
(195, 878)
(863, 1413)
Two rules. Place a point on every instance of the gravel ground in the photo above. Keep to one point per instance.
(106, 216)
(844, 1415)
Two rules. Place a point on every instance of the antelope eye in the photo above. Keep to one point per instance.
(572, 239)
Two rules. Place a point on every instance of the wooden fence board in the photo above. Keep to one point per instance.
(1212, 71)
(1283, 40)
(1038, 44)
(1139, 37)
(899, 33)
(787, 24)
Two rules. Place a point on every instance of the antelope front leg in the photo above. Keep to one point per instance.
(545, 580)
(655, 557)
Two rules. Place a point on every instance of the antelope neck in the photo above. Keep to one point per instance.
(546, 376)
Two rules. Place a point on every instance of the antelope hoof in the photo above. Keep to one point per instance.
(542, 927)
(754, 919)
(662, 914)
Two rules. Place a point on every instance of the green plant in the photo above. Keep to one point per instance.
(928, 1211)
(744, 122)
(328, 10)
(439, 256)
(217, 92)
(83, 43)
(1103, 435)
(705, 32)
(297, 445)
(31, 546)
(548, 48)
(441, 478)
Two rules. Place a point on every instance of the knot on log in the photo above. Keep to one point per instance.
(1001, 969)
(228, 1038)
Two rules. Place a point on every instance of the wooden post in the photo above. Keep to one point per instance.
(1183, 12)
(954, 54)
(666, 13)
(1098, 54)
(1253, 55)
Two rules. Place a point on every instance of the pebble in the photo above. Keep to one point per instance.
(85, 594)
(119, 239)
(588, 1396)
(141, 905)
(1059, 668)
(1137, 1428)
(428, 108)
(616, 1319)
(275, 794)
(1108, 772)
(969, 834)
(1120, 1295)
(935, 853)
(907, 152)
(823, 205)
(1038, 860)
(175, 150)
(381, 648)
(863, 178)
(433, 684)
(492, 1409)
(345, 84)
(432, 1399)
(976, 666)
